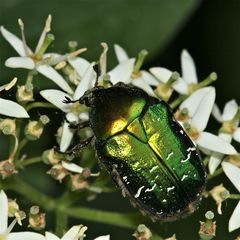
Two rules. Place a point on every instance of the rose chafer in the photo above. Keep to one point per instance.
(145, 150)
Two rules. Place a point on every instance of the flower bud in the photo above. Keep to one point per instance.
(20, 215)
(34, 129)
(25, 93)
(60, 65)
(219, 194)
(37, 220)
(78, 182)
(59, 134)
(171, 238)
(51, 157)
(8, 126)
(142, 233)
(72, 46)
(7, 168)
(234, 159)
(208, 228)
(13, 207)
(58, 172)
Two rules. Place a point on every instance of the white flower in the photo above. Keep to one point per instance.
(189, 76)
(229, 112)
(35, 59)
(124, 72)
(199, 106)
(106, 237)
(72, 167)
(5, 230)
(10, 108)
(233, 173)
(74, 233)
(56, 97)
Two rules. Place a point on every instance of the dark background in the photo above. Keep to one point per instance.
(210, 30)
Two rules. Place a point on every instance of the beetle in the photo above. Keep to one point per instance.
(144, 149)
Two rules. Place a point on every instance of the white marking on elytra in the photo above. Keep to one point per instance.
(188, 157)
(128, 183)
(191, 149)
(182, 132)
(184, 176)
(151, 189)
(170, 188)
(164, 200)
(153, 168)
(125, 178)
(139, 192)
(169, 155)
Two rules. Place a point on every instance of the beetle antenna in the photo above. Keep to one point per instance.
(97, 69)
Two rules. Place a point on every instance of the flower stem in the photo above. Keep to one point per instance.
(216, 173)
(61, 222)
(40, 105)
(234, 196)
(178, 101)
(126, 220)
(22, 144)
(28, 161)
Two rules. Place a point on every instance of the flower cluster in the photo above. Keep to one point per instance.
(193, 102)
(74, 233)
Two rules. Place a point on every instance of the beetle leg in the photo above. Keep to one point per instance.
(76, 149)
(68, 100)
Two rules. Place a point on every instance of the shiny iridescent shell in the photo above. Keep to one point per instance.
(146, 151)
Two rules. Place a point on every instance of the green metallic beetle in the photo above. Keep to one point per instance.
(145, 150)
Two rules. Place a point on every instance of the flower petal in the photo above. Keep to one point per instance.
(68, 133)
(236, 135)
(25, 236)
(180, 86)
(234, 222)
(84, 116)
(3, 212)
(122, 72)
(14, 41)
(163, 74)
(203, 112)
(233, 173)
(79, 64)
(72, 233)
(193, 101)
(56, 97)
(216, 113)
(51, 236)
(53, 75)
(214, 143)
(139, 82)
(20, 62)
(72, 167)
(214, 161)
(149, 78)
(230, 110)
(106, 237)
(12, 109)
(120, 53)
(188, 68)
(85, 83)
